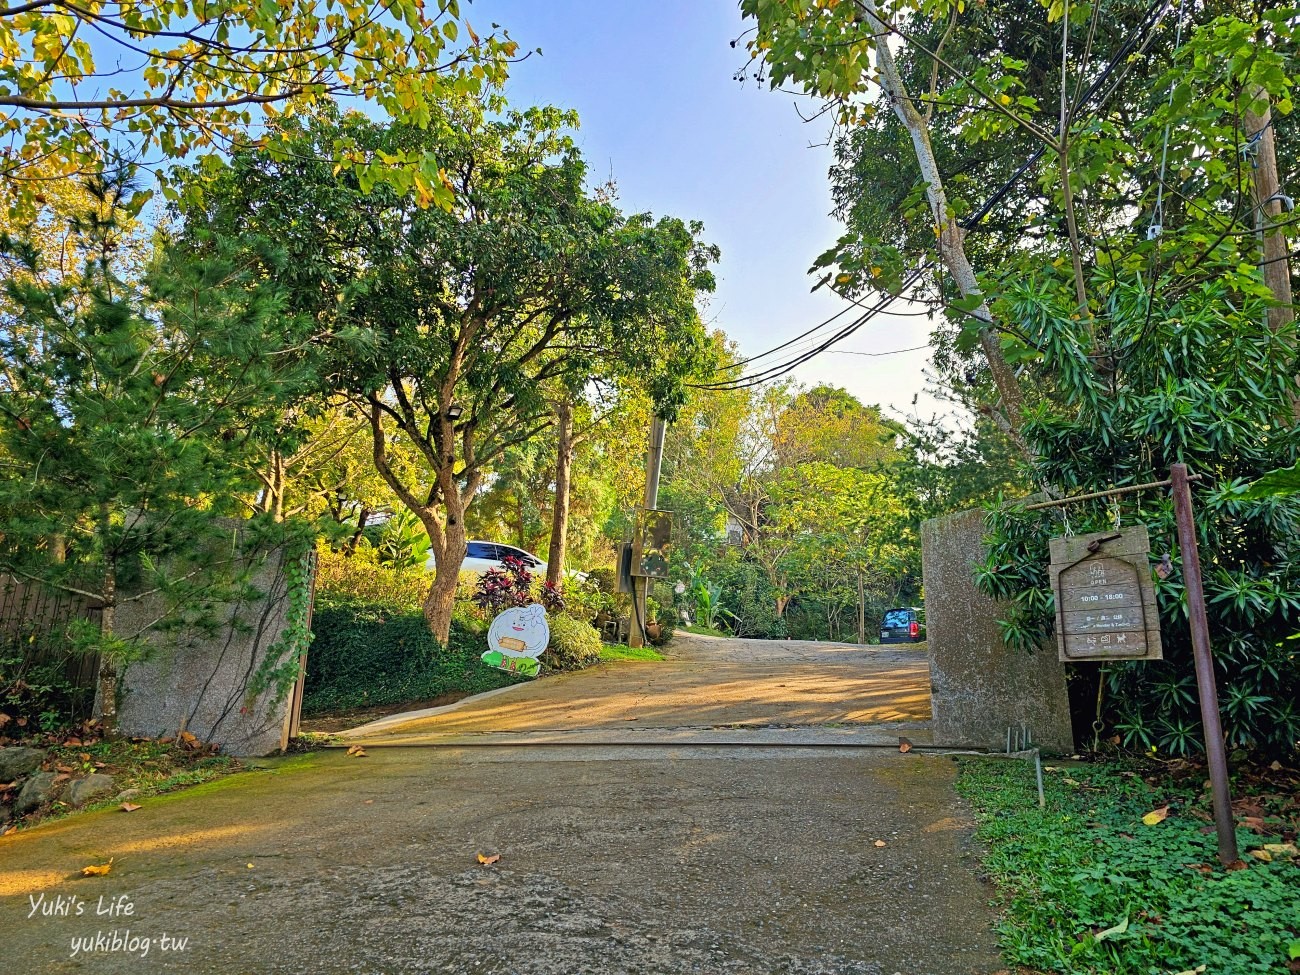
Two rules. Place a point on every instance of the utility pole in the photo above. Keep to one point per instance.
(653, 462)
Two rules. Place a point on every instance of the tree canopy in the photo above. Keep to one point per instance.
(165, 80)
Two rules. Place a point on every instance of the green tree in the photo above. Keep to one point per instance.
(124, 411)
(181, 77)
(449, 329)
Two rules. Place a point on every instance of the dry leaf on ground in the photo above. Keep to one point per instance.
(904, 745)
(1156, 816)
(1262, 855)
(880, 842)
(97, 869)
(487, 859)
(128, 807)
(356, 751)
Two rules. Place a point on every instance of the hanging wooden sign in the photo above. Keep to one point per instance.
(1105, 597)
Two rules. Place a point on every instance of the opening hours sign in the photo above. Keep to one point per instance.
(1105, 596)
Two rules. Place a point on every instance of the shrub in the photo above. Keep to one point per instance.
(575, 644)
(368, 655)
(361, 579)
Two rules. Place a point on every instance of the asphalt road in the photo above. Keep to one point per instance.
(656, 860)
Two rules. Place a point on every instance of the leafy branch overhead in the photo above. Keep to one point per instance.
(176, 78)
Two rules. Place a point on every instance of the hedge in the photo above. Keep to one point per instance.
(366, 655)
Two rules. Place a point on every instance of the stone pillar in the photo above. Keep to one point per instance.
(980, 687)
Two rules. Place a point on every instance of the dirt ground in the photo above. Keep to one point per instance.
(647, 861)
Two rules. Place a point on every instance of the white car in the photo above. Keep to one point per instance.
(482, 556)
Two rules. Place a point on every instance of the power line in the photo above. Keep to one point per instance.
(1139, 37)
(876, 355)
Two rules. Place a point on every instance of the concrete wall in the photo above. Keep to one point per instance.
(197, 679)
(979, 686)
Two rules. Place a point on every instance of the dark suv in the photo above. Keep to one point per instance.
(902, 626)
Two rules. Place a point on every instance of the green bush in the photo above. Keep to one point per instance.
(574, 644)
(1088, 888)
(369, 655)
(362, 579)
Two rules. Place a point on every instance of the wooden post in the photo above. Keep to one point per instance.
(1205, 684)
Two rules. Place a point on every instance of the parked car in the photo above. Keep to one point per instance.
(482, 556)
(905, 625)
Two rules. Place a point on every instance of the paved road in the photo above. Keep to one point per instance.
(705, 683)
(657, 860)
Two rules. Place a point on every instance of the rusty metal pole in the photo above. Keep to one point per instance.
(1205, 685)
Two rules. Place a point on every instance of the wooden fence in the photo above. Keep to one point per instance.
(33, 623)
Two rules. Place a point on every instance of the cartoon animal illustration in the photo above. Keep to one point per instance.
(517, 638)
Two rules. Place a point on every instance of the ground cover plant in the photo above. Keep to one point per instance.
(140, 767)
(1119, 874)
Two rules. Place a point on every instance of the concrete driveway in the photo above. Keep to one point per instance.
(664, 859)
(704, 686)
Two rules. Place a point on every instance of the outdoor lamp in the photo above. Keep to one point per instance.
(454, 412)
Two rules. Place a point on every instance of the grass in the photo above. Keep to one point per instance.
(703, 630)
(611, 651)
(150, 767)
(1088, 887)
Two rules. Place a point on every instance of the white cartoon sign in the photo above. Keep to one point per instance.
(517, 638)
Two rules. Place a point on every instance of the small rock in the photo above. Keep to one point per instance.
(36, 791)
(126, 794)
(83, 790)
(17, 762)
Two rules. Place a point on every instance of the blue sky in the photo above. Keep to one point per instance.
(652, 82)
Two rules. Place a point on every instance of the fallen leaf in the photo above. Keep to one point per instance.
(904, 744)
(63, 768)
(21, 722)
(1276, 766)
(73, 743)
(129, 807)
(1193, 971)
(1236, 865)
(4, 719)
(369, 802)
(1156, 816)
(880, 842)
(487, 859)
(1112, 932)
(97, 869)
(9, 829)
(1262, 855)
(1069, 781)
(250, 866)
(61, 777)
(356, 751)
(84, 756)
(1282, 849)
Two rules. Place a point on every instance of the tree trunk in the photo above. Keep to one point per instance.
(560, 517)
(447, 543)
(107, 665)
(862, 612)
(952, 249)
(1274, 245)
(363, 516)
